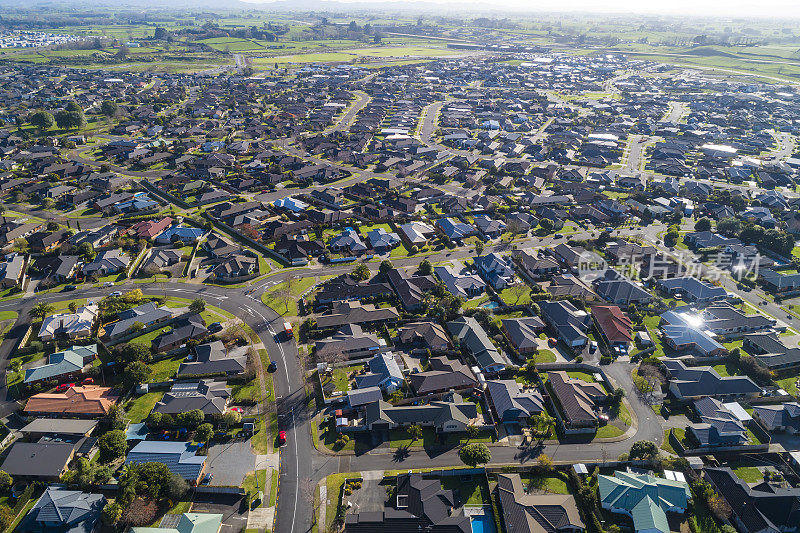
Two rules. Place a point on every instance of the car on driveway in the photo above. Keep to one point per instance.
(64, 386)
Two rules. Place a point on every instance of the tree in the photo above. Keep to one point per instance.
(130, 352)
(204, 432)
(42, 120)
(474, 454)
(136, 373)
(48, 203)
(70, 120)
(472, 431)
(729, 226)
(415, 431)
(703, 224)
(154, 419)
(672, 236)
(112, 445)
(479, 246)
(361, 272)
(547, 225)
(109, 108)
(545, 462)
(111, 513)
(425, 268)
(133, 297)
(232, 418)
(191, 419)
(643, 449)
(385, 267)
(175, 488)
(5, 481)
(198, 305)
(7, 516)
(41, 310)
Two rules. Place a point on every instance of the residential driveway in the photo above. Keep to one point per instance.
(232, 508)
(230, 462)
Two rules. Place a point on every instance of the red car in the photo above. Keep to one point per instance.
(551, 341)
(237, 409)
(64, 386)
(88, 381)
(281, 438)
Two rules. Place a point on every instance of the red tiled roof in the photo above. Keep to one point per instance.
(615, 325)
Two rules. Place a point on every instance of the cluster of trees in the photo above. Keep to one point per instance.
(141, 488)
(751, 367)
(69, 118)
(773, 239)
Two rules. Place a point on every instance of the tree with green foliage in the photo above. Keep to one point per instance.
(672, 236)
(415, 431)
(386, 267)
(472, 431)
(109, 108)
(361, 272)
(729, 226)
(644, 450)
(70, 120)
(130, 352)
(111, 514)
(203, 433)
(41, 310)
(191, 419)
(198, 305)
(42, 120)
(475, 454)
(136, 373)
(232, 418)
(702, 224)
(5, 481)
(112, 445)
(425, 268)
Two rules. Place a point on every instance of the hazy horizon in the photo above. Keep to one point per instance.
(714, 8)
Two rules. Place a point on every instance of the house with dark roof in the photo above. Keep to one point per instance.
(761, 508)
(214, 358)
(425, 334)
(207, 395)
(568, 323)
(45, 460)
(577, 401)
(510, 403)
(60, 510)
(783, 417)
(410, 289)
(693, 383)
(443, 375)
(571, 285)
(346, 288)
(495, 269)
(354, 312)
(349, 342)
(523, 332)
(770, 352)
(146, 314)
(621, 291)
(692, 289)
(186, 329)
(384, 373)
(449, 415)
(718, 426)
(420, 505)
(777, 282)
(536, 513)
(467, 332)
(536, 267)
(180, 457)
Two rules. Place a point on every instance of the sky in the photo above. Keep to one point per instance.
(716, 8)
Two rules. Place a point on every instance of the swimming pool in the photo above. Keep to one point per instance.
(482, 524)
(490, 305)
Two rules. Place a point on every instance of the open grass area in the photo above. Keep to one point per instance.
(138, 408)
(472, 491)
(789, 384)
(748, 474)
(680, 433)
(555, 483)
(283, 297)
(166, 368)
(254, 482)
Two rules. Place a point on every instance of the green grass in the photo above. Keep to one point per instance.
(588, 378)
(680, 433)
(138, 408)
(546, 356)
(726, 369)
(510, 297)
(399, 438)
(334, 484)
(748, 474)
(148, 338)
(608, 431)
(287, 306)
(249, 484)
(166, 368)
(555, 483)
(247, 391)
(273, 492)
(472, 492)
(788, 384)
(8, 315)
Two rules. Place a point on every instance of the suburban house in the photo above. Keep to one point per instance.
(214, 358)
(410, 289)
(536, 513)
(184, 330)
(577, 400)
(536, 267)
(523, 332)
(344, 287)
(146, 314)
(384, 372)
(495, 269)
(693, 383)
(353, 312)
(762, 508)
(75, 325)
(350, 342)
(444, 375)
(188, 523)
(777, 283)
(510, 403)
(621, 291)
(692, 289)
(569, 324)
(180, 457)
(448, 415)
(771, 352)
(207, 395)
(67, 364)
(420, 505)
(49, 427)
(645, 498)
(44, 460)
(469, 334)
(455, 230)
(784, 417)
(417, 233)
(61, 510)
(105, 263)
(463, 285)
(613, 324)
(719, 425)
(11, 271)
(382, 241)
(425, 334)
(87, 401)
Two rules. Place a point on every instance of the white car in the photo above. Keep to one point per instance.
(116, 293)
(108, 284)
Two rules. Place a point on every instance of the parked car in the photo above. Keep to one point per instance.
(592, 347)
(108, 284)
(281, 438)
(551, 341)
(70, 288)
(272, 367)
(64, 386)
(116, 294)
(216, 327)
(207, 479)
(87, 381)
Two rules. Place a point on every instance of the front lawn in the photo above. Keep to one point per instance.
(137, 409)
(473, 491)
